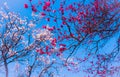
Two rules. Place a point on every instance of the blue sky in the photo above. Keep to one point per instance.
(17, 6)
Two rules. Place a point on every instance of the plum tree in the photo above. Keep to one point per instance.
(85, 24)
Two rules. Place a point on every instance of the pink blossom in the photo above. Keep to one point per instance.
(43, 14)
(25, 5)
(54, 42)
(62, 49)
(34, 9)
(40, 51)
(44, 27)
(47, 4)
(44, 7)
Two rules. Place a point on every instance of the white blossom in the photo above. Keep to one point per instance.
(53, 59)
(47, 61)
(22, 21)
(4, 15)
(70, 59)
(44, 35)
(11, 53)
(5, 5)
(31, 24)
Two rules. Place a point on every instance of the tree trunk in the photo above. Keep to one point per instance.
(6, 68)
(5, 65)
